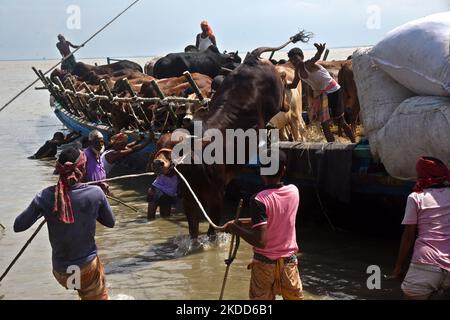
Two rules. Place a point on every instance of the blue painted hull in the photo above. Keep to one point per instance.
(82, 126)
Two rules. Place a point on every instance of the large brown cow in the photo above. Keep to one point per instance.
(176, 86)
(248, 98)
(350, 94)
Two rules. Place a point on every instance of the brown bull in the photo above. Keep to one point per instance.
(248, 98)
(177, 86)
(350, 94)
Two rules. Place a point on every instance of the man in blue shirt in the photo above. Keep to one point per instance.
(71, 210)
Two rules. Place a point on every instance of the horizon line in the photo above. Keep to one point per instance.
(150, 56)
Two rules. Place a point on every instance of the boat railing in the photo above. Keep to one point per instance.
(88, 105)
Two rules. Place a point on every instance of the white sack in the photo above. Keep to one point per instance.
(379, 95)
(420, 126)
(416, 54)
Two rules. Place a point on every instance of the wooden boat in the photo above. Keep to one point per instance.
(340, 177)
(136, 162)
(366, 175)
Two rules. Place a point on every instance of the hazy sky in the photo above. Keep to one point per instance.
(28, 28)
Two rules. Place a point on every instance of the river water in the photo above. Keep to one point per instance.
(152, 260)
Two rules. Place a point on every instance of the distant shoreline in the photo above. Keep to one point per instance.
(149, 56)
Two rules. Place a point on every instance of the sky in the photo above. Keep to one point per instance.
(28, 28)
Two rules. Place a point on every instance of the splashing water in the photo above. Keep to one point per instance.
(186, 245)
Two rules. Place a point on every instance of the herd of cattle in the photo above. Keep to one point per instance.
(208, 68)
(243, 95)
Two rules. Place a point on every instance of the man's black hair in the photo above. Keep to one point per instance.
(58, 135)
(69, 155)
(295, 51)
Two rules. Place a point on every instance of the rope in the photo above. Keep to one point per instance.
(316, 189)
(2, 226)
(43, 222)
(22, 250)
(67, 57)
(122, 203)
(122, 177)
(198, 201)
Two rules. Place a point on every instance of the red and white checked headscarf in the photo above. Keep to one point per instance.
(69, 174)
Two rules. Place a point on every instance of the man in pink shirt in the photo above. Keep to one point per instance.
(271, 231)
(427, 230)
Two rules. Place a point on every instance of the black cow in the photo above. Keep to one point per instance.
(208, 62)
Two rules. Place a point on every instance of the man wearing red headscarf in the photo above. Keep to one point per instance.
(427, 233)
(71, 210)
(206, 38)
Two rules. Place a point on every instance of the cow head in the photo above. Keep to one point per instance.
(161, 162)
(235, 57)
(231, 60)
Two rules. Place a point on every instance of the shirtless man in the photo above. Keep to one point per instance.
(64, 48)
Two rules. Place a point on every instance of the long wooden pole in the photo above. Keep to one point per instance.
(67, 57)
(230, 253)
(23, 249)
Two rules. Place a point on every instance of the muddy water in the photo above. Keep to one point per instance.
(152, 260)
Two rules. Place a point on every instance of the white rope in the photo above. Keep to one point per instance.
(123, 177)
(182, 178)
(198, 201)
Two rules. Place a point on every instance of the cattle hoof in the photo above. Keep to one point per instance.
(195, 245)
(212, 237)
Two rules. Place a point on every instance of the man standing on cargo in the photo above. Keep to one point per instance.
(327, 93)
(427, 233)
(206, 38)
(271, 231)
(63, 46)
(71, 210)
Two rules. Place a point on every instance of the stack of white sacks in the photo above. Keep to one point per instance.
(403, 87)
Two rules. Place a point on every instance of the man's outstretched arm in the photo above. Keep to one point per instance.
(74, 46)
(320, 49)
(28, 217)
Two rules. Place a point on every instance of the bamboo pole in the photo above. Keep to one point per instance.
(194, 86)
(122, 203)
(22, 250)
(232, 252)
(78, 99)
(106, 89)
(92, 101)
(61, 92)
(162, 96)
(134, 95)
